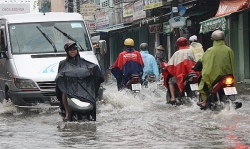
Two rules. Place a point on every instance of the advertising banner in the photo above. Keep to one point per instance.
(102, 20)
(6, 9)
(138, 12)
(150, 4)
(231, 6)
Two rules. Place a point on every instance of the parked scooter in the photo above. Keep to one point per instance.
(79, 110)
(222, 94)
(190, 88)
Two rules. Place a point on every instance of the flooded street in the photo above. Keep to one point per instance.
(128, 121)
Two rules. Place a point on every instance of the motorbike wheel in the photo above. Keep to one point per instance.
(74, 117)
(167, 96)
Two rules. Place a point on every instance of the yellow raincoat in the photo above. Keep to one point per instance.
(217, 61)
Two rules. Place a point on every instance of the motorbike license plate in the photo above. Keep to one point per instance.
(136, 87)
(194, 87)
(230, 90)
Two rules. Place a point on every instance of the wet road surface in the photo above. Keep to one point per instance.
(128, 121)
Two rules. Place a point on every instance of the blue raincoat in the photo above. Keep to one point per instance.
(150, 64)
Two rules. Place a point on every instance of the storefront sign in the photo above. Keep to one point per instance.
(230, 6)
(6, 9)
(87, 9)
(150, 4)
(127, 10)
(212, 24)
(102, 20)
(177, 22)
(90, 24)
(155, 28)
(128, 20)
(167, 28)
(138, 12)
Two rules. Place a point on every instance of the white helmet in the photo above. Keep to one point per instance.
(218, 35)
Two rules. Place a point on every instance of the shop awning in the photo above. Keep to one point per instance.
(213, 23)
(113, 28)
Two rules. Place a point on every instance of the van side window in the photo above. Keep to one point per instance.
(2, 44)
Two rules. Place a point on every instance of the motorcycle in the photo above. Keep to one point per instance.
(79, 110)
(190, 87)
(134, 83)
(149, 78)
(222, 94)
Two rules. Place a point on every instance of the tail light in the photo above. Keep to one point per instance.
(195, 79)
(136, 80)
(228, 81)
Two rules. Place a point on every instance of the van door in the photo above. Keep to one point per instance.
(3, 70)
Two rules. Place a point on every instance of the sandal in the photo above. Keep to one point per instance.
(65, 119)
(172, 102)
(202, 107)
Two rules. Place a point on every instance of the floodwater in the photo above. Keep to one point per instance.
(126, 121)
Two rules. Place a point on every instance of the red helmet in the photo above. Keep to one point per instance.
(182, 42)
(69, 44)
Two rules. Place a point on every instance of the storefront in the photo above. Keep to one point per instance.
(233, 17)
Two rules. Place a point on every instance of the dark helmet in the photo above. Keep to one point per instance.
(69, 44)
(182, 42)
(218, 35)
(129, 42)
(144, 46)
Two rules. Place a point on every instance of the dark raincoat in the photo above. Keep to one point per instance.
(78, 78)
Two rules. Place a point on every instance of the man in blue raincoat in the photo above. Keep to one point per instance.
(150, 64)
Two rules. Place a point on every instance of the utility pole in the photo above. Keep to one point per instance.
(176, 33)
(70, 6)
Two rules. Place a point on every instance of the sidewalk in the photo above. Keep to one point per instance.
(243, 88)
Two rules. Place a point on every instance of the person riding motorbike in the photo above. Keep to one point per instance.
(150, 64)
(127, 63)
(70, 71)
(160, 56)
(179, 65)
(217, 61)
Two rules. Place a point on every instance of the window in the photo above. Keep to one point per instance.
(45, 38)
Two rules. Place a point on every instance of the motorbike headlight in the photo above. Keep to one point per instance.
(25, 84)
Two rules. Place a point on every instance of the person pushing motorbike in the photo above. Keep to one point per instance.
(217, 61)
(127, 63)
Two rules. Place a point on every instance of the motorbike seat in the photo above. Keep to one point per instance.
(191, 74)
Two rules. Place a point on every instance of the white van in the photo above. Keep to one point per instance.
(31, 49)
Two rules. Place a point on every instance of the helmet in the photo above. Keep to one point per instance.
(218, 35)
(182, 42)
(69, 44)
(129, 42)
(144, 46)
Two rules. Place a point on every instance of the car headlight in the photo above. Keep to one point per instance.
(25, 83)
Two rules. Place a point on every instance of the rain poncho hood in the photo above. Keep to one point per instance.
(216, 61)
(150, 64)
(79, 78)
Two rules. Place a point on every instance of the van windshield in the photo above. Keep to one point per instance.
(45, 38)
